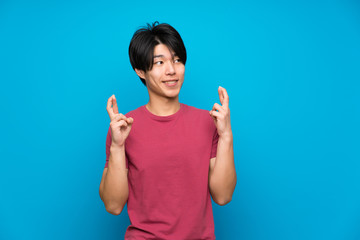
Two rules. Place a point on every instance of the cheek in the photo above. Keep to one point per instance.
(154, 76)
(181, 71)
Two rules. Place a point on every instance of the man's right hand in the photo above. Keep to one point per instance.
(120, 125)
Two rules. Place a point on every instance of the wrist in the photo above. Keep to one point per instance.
(227, 137)
(117, 148)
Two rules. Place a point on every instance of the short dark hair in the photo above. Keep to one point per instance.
(144, 40)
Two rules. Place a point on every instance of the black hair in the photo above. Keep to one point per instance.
(144, 40)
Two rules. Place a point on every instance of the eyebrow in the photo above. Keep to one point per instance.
(162, 56)
(158, 56)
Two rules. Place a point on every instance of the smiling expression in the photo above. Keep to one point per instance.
(167, 74)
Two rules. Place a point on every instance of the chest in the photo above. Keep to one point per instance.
(179, 145)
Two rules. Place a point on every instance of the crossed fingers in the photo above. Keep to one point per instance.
(224, 97)
(112, 107)
(113, 111)
(122, 120)
(223, 109)
(218, 111)
(221, 113)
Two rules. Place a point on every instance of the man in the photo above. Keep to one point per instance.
(165, 158)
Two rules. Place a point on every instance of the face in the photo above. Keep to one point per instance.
(166, 77)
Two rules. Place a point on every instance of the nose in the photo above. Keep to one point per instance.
(170, 68)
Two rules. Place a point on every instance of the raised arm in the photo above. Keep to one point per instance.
(114, 190)
(222, 175)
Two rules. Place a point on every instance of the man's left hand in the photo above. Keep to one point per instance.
(221, 114)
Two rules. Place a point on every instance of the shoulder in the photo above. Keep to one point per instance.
(198, 114)
(194, 110)
(134, 113)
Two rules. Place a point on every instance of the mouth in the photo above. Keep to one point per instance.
(170, 83)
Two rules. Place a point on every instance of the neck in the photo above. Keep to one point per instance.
(164, 106)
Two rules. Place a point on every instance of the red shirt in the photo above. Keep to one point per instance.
(168, 160)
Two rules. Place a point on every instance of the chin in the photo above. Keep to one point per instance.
(172, 94)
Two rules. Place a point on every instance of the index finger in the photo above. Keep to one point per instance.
(221, 96)
(109, 109)
(225, 97)
(115, 106)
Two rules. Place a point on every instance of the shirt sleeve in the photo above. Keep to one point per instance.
(214, 143)
(108, 144)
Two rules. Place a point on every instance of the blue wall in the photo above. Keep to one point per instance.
(292, 71)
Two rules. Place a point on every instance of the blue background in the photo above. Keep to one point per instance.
(292, 71)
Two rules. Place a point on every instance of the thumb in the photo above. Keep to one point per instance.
(130, 120)
(211, 114)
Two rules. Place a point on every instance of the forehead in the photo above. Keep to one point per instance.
(161, 50)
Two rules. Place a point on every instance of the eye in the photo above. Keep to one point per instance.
(158, 62)
(177, 60)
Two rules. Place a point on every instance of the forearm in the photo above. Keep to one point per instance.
(116, 190)
(223, 176)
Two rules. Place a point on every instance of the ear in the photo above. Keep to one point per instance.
(140, 73)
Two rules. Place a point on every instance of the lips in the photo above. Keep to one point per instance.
(170, 83)
(170, 80)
